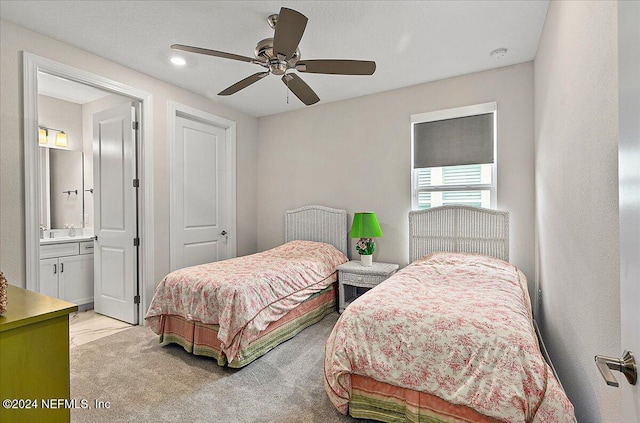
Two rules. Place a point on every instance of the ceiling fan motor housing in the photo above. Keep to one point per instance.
(264, 52)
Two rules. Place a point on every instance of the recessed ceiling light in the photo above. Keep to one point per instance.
(499, 53)
(178, 61)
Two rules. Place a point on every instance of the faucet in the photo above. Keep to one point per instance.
(41, 232)
(72, 230)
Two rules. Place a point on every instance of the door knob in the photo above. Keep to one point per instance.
(626, 365)
(223, 233)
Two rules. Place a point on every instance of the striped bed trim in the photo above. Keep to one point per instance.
(202, 339)
(375, 400)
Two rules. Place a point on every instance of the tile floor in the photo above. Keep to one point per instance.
(86, 326)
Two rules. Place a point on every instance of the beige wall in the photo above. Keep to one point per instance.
(60, 114)
(355, 154)
(14, 40)
(576, 147)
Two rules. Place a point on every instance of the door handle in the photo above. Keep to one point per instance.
(55, 269)
(626, 365)
(223, 233)
(61, 267)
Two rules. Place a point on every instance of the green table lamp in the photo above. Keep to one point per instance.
(366, 227)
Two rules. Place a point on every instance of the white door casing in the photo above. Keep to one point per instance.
(629, 196)
(32, 66)
(115, 208)
(202, 187)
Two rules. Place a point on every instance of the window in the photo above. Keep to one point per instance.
(454, 157)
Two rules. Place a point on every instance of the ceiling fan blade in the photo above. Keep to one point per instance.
(300, 89)
(289, 29)
(337, 67)
(214, 53)
(244, 83)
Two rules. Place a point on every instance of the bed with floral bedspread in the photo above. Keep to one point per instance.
(449, 338)
(235, 310)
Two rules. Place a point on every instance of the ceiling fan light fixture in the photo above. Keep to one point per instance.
(277, 67)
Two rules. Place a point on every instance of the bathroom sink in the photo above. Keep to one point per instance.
(55, 236)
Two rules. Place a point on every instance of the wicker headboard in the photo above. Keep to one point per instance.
(459, 229)
(317, 223)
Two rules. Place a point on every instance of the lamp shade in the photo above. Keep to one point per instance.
(365, 225)
(61, 139)
(43, 137)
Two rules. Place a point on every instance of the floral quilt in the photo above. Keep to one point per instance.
(454, 325)
(243, 295)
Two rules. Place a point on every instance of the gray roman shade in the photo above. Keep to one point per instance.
(452, 142)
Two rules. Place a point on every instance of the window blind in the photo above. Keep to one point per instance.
(451, 142)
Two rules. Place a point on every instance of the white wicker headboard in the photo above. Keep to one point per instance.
(459, 229)
(317, 223)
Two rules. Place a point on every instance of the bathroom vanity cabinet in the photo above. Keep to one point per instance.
(66, 271)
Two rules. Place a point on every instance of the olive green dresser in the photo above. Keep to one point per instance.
(34, 358)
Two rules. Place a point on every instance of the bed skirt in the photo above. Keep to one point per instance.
(202, 339)
(381, 401)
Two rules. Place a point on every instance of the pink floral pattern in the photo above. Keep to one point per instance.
(243, 295)
(453, 325)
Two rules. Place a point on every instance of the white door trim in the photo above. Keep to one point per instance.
(629, 200)
(180, 110)
(32, 64)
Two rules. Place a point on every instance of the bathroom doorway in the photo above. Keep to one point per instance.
(62, 223)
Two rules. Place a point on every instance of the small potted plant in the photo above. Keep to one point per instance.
(366, 247)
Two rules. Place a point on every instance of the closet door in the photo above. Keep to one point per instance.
(199, 221)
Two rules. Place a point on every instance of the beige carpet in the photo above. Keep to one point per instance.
(145, 382)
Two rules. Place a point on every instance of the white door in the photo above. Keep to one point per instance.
(198, 228)
(114, 171)
(629, 199)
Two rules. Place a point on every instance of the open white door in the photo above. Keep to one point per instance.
(199, 222)
(115, 208)
(629, 200)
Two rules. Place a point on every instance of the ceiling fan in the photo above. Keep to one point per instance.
(281, 54)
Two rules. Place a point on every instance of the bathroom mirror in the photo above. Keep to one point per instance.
(61, 188)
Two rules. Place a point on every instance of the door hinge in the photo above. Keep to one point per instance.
(136, 242)
(136, 183)
(136, 299)
(135, 126)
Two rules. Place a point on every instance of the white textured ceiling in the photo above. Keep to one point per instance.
(412, 42)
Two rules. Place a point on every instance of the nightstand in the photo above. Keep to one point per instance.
(353, 275)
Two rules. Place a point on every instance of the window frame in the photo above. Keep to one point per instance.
(453, 113)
